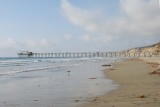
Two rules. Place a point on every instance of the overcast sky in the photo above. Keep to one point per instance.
(77, 25)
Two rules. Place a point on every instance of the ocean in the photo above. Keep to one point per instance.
(52, 82)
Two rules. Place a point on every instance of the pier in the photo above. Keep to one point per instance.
(26, 54)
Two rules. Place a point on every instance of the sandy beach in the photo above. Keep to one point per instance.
(139, 86)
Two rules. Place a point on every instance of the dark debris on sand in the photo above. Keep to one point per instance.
(106, 65)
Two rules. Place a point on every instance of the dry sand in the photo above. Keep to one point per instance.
(137, 87)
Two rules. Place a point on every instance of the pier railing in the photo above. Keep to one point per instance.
(85, 54)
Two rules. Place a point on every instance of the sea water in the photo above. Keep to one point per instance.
(52, 82)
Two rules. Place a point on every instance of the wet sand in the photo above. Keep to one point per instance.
(138, 87)
(63, 86)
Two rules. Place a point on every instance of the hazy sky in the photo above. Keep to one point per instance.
(77, 25)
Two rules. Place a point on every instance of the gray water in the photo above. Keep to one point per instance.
(47, 83)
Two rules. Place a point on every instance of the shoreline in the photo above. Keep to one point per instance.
(137, 87)
(67, 85)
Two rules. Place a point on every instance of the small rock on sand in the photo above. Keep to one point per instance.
(106, 65)
(77, 100)
(154, 72)
(112, 69)
(141, 96)
(96, 98)
(93, 78)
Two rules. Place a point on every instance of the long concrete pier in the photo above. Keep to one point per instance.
(26, 54)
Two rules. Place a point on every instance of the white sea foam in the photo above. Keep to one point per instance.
(16, 65)
(12, 66)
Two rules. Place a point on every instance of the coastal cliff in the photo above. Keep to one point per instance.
(155, 48)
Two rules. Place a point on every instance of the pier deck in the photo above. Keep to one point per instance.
(26, 54)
